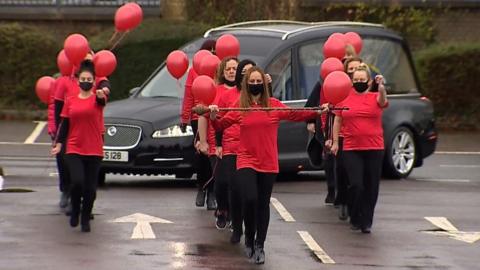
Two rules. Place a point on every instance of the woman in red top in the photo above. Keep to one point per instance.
(211, 142)
(257, 155)
(81, 131)
(201, 162)
(363, 145)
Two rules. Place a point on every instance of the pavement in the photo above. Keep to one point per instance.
(428, 221)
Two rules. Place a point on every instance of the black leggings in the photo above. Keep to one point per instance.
(228, 190)
(364, 170)
(201, 163)
(256, 192)
(341, 175)
(63, 174)
(329, 167)
(84, 175)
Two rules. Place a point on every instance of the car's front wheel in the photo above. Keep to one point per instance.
(400, 154)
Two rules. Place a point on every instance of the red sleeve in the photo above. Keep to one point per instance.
(188, 100)
(65, 111)
(61, 88)
(51, 111)
(227, 120)
(296, 116)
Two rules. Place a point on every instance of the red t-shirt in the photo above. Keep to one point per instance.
(52, 128)
(221, 89)
(188, 100)
(231, 135)
(62, 85)
(362, 123)
(258, 148)
(85, 127)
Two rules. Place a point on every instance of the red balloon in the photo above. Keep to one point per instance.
(204, 90)
(64, 64)
(177, 63)
(197, 59)
(76, 48)
(339, 36)
(334, 47)
(355, 40)
(227, 45)
(128, 17)
(43, 87)
(336, 87)
(105, 63)
(330, 65)
(209, 65)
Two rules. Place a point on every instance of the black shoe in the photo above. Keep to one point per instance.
(200, 201)
(92, 217)
(86, 226)
(235, 238)
(354, 227)
(74, 219)
(249, 251)
(211, 202)
(221, 222)
(343, 212)
(330, 199)
(68, 209)
(259, 256)
(366, 230)
(63, 200)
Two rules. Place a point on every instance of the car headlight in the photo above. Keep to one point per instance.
(173, 131)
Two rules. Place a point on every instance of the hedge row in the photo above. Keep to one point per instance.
(448, 75)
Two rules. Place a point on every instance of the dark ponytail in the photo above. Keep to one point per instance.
(86, 66)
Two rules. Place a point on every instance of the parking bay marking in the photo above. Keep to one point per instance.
(281, 210)
(447, 229)
(459, 166)
(36, 132)
(444, 180)
(143, 229)
(315, 247)
(456, 153)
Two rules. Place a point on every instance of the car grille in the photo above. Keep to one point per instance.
(122, 136)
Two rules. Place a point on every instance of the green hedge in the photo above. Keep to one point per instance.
(27, 54)
(448, 74)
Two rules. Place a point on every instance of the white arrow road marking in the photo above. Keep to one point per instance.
(451, 231)
(315, 247)
(281, 210)
(36, 132)
(142, 230)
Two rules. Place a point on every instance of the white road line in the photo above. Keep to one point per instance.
(23, 143)
(27, 158)
(281, 210)
(443, 223)
(456, 153)
(315, 247)
(444, 180)
(53, 174)
(459, 166)
(36, 132)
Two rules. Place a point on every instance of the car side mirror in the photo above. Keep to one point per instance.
(133, 91)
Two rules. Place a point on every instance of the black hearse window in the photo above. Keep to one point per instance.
(388, 58)
(281, 71)
(311, 57)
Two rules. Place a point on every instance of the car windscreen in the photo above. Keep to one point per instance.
(162, 84)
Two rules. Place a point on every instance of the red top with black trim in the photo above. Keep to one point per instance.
(85, 126)
(231, 135)
(220, 91)
(362, 122)
(188, 100)
(258, 147)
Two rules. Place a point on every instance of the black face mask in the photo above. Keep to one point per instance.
(229, 83)
(360, 86)
(255, 89)
(85, 86)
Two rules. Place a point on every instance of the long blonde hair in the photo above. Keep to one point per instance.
(246, 99)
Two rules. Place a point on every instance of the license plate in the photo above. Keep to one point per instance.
(119, 156)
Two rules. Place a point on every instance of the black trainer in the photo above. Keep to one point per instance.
(211, 202)
(74, 220)
(63, 200)
(221, 221)
(259, 256)
(235, 238)
(343, 212)
(249, 252)
(86, 226)
(330, 199)
(200, 200)
(366, 230)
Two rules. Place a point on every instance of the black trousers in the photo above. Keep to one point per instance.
(63, 174)
(84, 175)
(201, 163)
(364, 170)
(329, 167)
(256, 192)
(228, 190)
(341, 176)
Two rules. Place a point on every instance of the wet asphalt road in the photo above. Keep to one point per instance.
(34, 234)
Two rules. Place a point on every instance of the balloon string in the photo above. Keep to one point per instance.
(179, 87)
(118, 41)
(113, 37)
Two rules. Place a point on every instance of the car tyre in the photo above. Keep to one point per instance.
(400, 154)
